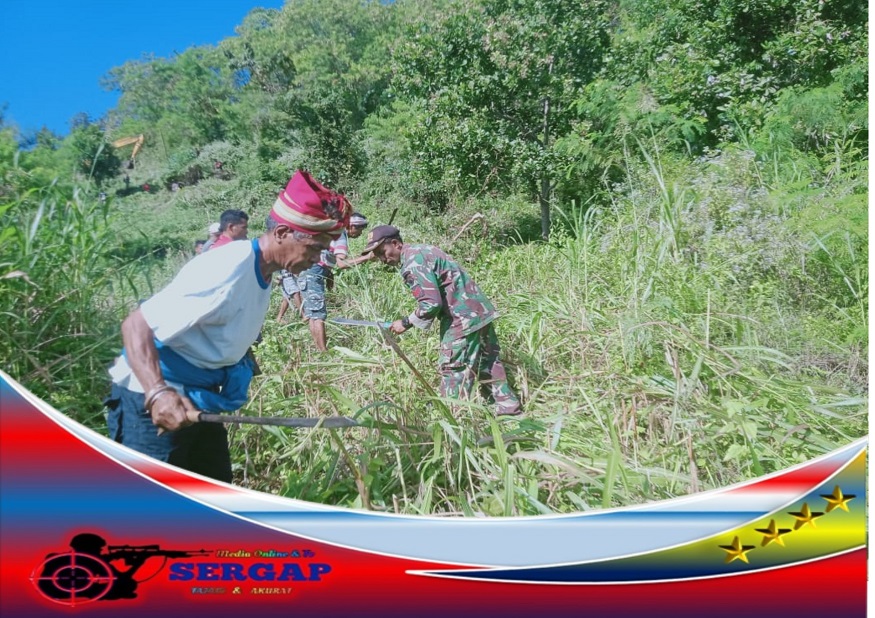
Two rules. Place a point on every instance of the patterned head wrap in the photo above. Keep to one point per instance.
(307, 206)
(358, 220)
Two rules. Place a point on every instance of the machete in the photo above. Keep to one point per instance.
(349, 322)
(326, 422)
(390, 340)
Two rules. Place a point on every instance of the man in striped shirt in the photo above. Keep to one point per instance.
(314, 281)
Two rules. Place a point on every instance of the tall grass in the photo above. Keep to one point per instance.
(651, 362)
(58, 312)
(685, 335)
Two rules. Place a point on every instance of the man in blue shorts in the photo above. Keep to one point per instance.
(314, 281)
(291, 292)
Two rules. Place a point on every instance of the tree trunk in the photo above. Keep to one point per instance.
(544, 193)
(544, 201)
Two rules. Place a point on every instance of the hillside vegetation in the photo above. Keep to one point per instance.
(674, 228)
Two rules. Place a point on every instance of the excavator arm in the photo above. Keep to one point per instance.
(136, 140)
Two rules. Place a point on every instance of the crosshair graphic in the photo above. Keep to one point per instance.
(73, 578)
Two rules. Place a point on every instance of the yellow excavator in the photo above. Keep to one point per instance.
(136, 140)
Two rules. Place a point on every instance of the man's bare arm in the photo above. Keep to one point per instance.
(170, 410)
(349, 263)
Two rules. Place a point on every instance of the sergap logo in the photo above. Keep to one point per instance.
(94, 571)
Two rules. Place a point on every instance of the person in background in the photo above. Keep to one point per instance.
(185, 347)
(199, 246)
(289, 283)
(357, 225)
(444, 291)
(314, 281)
(291, 292)
(233, 225)
(212, 236)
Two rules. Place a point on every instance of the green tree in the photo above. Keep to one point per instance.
(94, 157)
(340, 56)
(723, 63)
(8, 161)
(43, 160)
(261, 60)
(186, 97)
(495, 77)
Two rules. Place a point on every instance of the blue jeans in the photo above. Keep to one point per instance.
(200, 448)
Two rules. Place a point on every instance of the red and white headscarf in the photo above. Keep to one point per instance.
(307, 206)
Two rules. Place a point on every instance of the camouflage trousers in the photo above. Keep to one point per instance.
(475, 356)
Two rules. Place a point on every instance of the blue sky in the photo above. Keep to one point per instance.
(54, 52)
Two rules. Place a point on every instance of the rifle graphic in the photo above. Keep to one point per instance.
(140, 553)
(136, 555)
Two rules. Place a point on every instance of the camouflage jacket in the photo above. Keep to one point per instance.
(442, 289)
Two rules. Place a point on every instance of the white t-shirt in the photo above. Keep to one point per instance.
(210, 313)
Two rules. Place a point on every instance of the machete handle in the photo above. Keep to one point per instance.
(192, 416)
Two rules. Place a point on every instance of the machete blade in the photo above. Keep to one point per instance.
(325, 422)
(350, 322)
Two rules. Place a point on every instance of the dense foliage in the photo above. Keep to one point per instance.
(675, 231)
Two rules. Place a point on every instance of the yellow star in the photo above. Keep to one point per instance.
(736, 550)
(837, 500)
(773, 533)
(805, 516)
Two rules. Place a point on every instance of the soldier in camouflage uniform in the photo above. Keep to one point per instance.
(443, 290)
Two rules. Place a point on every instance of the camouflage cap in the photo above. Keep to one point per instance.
(379, 235)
